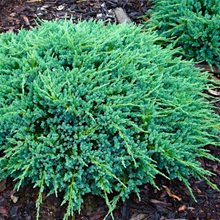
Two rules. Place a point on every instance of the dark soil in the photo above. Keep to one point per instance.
(171, 202)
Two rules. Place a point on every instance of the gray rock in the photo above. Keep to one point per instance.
(122, 16)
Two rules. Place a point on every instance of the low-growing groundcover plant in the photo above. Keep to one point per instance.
(89, 108)
(193, 25)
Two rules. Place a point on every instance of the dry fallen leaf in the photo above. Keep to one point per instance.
(26, 20)
(14, 198)
(182, 208)
(171, 194)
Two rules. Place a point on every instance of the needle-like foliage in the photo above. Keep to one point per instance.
(89, 108)
(193, 25)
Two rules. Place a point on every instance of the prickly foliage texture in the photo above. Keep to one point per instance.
(193, 25)
(89, 108)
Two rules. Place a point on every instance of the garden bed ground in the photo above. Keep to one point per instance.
(171, 202)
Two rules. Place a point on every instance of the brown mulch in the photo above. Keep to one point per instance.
(17, 14)
(171, 202)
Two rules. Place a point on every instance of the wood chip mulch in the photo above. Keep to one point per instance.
(24, 13)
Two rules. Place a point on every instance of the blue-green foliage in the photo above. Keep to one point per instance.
(89, 108)
(193, 25)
